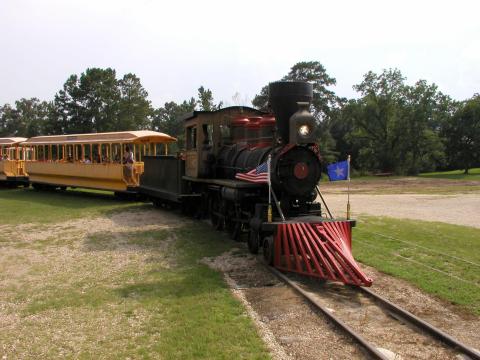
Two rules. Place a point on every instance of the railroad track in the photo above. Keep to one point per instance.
(397, 312)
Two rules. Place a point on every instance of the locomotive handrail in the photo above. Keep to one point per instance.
(277, 204)
(324, 202)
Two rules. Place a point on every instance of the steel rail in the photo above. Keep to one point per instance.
(402, 313)
(371, 349)
(430, 329)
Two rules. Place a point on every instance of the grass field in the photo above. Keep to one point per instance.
(474, 174)
(140, 291)
(20, 206)
(116, 291)
(439, 258)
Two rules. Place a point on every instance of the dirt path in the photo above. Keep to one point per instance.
(461, 209)
(405, 184)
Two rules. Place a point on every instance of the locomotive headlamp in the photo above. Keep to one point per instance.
(302, 125)
(304, 130)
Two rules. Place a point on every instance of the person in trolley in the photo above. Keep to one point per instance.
(128, 160)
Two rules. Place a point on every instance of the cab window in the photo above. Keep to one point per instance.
(191, 137)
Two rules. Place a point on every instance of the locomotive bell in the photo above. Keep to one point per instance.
(284, 97)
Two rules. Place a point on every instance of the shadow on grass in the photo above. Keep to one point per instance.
(108, 241)
(175, 284)
(151, 216)
(30, 206)
(68, 199)
(166, 286)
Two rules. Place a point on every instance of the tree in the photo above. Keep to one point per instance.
(260, 101)
(167, 119)
(96, 101)
(340, 127)
(462, 134)
(422, 114)
(377, 120)
(6, 114)
(205, 100)
(324, 101)
(395, 126)
(65, 114)
(27, 119)
(98, 98)
(88, 103)
(134, 107)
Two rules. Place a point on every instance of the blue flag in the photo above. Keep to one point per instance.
(338, 171)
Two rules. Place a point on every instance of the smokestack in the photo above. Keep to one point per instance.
(283, 97)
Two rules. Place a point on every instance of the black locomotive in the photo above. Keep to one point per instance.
(223, 173)
(288, 140)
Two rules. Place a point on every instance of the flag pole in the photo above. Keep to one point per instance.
(348, 189)
(269, 214)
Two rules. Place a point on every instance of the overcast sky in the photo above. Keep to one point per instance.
(235, 46)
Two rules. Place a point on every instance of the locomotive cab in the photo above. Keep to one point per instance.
(207, 133)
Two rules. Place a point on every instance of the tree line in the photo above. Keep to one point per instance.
(391, 127)
(98, 101)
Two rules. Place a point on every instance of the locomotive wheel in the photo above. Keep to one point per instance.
(236, 231)
(268, 253)
(229, 225)
(234, 227)
(157, 203)
(187, 208)
(218, 221)
(253, 241)
(191, 208)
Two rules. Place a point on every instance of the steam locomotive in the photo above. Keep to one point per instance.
(257, 173)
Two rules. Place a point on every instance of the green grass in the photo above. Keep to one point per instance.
(20, 206)
(439, 258)
(135, 294)
(424, 189)
(369, 178)
(205, 321)
(473, 174)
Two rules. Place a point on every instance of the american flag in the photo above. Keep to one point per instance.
(257, 175)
